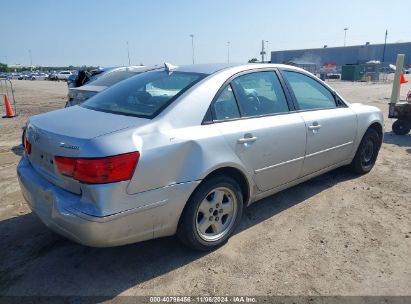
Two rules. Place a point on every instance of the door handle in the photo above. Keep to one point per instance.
(314, 126)
(248, 137)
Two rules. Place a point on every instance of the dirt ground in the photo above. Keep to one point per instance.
(338, 234)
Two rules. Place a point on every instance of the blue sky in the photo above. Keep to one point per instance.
(95, 32)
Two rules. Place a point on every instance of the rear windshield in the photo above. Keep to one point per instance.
(110, 78)
(144, 95)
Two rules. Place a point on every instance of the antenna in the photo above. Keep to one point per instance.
(169, 67)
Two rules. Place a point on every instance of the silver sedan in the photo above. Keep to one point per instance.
(185, 149)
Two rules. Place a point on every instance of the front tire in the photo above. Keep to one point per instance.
(401, 127)
(212, 214)
(367, 152)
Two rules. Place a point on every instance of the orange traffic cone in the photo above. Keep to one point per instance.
(402, 78)
(9, 110)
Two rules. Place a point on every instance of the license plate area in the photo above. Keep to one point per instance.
(42, 159)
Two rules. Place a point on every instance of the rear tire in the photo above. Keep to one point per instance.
(367, 152)
(401, 127)
(211, 214)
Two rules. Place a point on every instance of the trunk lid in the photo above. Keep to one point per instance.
(74, 132)
(82, 123)
(81, 94)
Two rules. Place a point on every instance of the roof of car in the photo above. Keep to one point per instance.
(136, 68)
(206, 68)
(215, 67)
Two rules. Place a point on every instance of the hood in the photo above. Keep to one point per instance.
(82, 123)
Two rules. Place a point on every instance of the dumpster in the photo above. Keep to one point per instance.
(352, 72)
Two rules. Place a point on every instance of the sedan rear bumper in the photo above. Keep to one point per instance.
(54, 206)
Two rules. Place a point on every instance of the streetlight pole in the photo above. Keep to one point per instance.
(266, 41)
(385, 44)
(262, 51)
(31, 61)
(228, 51)
(128, 55)
(345, 35)
(192, 45)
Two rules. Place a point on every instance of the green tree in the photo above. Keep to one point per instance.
(3, 67)
(252, 60)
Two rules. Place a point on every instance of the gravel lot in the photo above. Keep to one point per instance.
(338, 234)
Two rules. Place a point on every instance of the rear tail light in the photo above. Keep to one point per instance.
(99, 170)
(27, 146)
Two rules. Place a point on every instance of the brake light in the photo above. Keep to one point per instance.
(99, 170)
(27, 146)
(66, 165)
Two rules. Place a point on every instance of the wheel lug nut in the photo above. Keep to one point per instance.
(217, 206)
(217, 218)
(221, 210)
(211, 210)
(210, 218)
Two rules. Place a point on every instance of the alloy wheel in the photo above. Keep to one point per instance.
(216, 214)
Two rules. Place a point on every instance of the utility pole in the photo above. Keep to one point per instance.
(262, 53)
(228, 51)
(192, 45)
(128, 55)
(345, 35)
(385, 43)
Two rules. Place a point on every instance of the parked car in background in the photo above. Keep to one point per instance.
(100, 82)
(15, 75)
(24, 76)
(52, 76)
(63, 75)
(71, 80)
(82, 77)
(38, 76)
(185, 149)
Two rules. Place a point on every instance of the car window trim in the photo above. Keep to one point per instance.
(251, 117)
(288, 98)
(286, 91)
(294, 99)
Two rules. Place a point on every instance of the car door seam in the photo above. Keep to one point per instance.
(278, 165)
(329, 149)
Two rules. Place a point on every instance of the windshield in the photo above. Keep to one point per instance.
(144, 95)
(110, 78)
